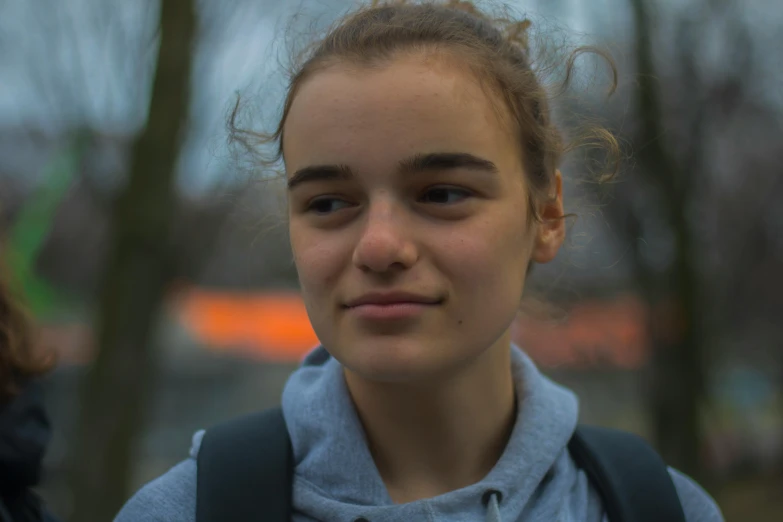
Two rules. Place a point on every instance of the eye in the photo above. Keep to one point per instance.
(327, 205)
(445, 195)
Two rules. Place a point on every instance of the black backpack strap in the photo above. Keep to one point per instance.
(632, 479)
(245, 470)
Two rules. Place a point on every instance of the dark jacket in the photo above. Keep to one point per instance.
(24, 435)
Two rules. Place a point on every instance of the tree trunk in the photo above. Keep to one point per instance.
(677, 393)
(136, 273)
(678, 363)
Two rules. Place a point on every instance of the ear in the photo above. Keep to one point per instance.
(550, 233)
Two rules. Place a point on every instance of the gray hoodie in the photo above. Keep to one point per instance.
(336, 480)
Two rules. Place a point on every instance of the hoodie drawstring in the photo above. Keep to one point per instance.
(492, 500)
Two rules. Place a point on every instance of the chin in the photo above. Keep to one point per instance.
(397, 359)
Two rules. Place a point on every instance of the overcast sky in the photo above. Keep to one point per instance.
(89, 61)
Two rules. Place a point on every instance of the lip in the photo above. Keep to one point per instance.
(391, 305)
(391, 298)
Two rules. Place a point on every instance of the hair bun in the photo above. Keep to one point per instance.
(463, 5)
(517, 33)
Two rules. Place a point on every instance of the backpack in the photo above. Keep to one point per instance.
(245, 472)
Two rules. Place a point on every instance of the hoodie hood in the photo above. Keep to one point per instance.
(24, 435)
(336, 478)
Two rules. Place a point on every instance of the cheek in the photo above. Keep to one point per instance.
(490, 260)
(318, 261)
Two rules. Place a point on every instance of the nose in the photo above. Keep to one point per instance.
(385, 243)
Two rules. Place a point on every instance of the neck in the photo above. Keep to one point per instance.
(431, 438)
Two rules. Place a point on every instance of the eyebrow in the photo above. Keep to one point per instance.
(447, 161)
(432, 161)
(320, 173)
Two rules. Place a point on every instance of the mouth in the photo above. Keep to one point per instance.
(392, 299)
(391, 305)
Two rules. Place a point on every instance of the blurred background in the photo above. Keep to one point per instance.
(153, 260)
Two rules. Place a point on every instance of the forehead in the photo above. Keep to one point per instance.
(371, 116)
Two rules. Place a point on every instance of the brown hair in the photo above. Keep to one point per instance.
(496, 49)
(19, 361)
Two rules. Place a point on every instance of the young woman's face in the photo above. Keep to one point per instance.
(408, 217)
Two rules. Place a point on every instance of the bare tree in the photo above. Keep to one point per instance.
(678, 373)
(136, 274)
(676, 119)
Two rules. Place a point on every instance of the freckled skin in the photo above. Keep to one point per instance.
(472, 254)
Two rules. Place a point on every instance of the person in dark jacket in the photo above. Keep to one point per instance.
(24, 426)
